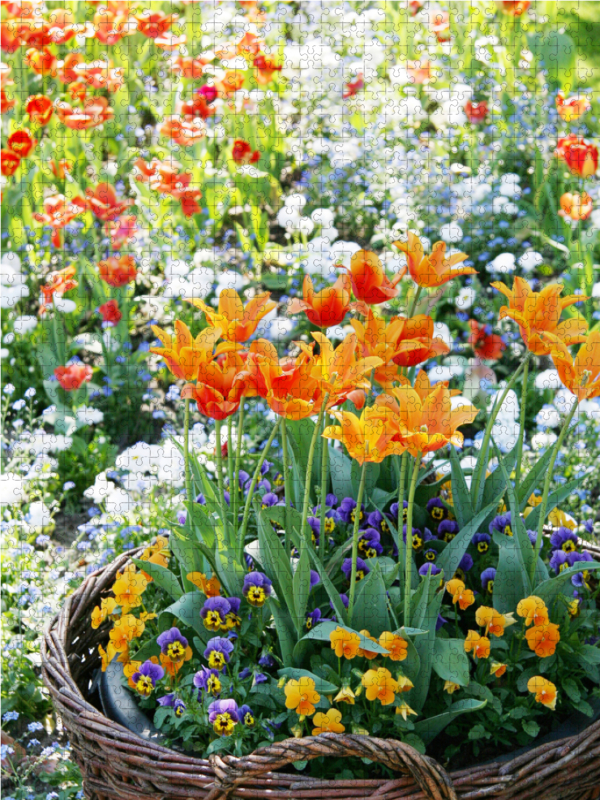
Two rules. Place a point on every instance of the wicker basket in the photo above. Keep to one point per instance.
(118, 765)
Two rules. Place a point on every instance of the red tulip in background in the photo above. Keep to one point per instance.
(73, 376)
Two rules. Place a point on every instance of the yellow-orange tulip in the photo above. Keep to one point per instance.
(369, 281)
(339, 368)
(571, 108)
(236, 322)
(217, 391)
(575, 206)
(182, 352)
(327, 307)
(427, 424)
(368, 437)
(538, 314)
(434, 270)
(580, 375)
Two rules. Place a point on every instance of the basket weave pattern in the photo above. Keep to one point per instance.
(118, 765)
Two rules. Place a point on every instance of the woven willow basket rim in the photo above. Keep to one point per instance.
(118, 765)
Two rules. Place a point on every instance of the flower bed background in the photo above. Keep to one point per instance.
(278, 173)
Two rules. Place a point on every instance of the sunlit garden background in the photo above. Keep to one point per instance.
(161, 152)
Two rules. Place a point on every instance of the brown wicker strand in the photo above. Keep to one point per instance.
(231, 771)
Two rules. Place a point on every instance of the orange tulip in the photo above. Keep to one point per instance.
(345, 376)
(581, 157)
(217, 392)
(104, 203)
(368, 437)
(183, 132)
(290, 388)
(59, 283)
(581, 375)
(118, 271)
(242, 153)
(121, 230)
(399, 343)
(265, 67)
(575, 206)
(434, 270)
(430, 423)
(236, 322)
(58, 212)
(96, 111)
(9, 163)
(40, 109)
(21, 142)
(73, 376)
(182, 352)
(514, 8)
(571, 108)
(538, 314)
(369, 281)
(327, 307)
(154, 23)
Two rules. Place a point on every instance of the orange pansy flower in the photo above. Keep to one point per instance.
(368, 654)
(329, 722)
(542, 639)
(396, 646)
(460, 594)
(544, 691)
(211, 587)
(344, 643)
(534, 610)
(380, 685)
(478, 645)
(301, 696)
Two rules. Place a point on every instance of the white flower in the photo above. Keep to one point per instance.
(64, 305)
(445, 373)
(25, 324)
(451, 233)
(39, 515)
(548, 379)
(543, 440)
(504, 263)
(466, 297)
(10, 270)
(530, 260)
(12, 489)
(448, 114)
(89, 416)
(442, 331)
(324, 217)
(509, 186)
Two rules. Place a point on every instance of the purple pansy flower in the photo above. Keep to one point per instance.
(214, 613)
(173, 644)
(502, 524)
(313, 618)
(369, 544)
(209, 681)
(362, 568)
(146, 678)
(394, 511)
(437, 509)
(447, 529)
(564, 539)
(266, 660)
(487, 579)
(246, 716)
(482, 542)
(172, 701)
(223, 715)
(432, 569)
(269, 499)
(257, 588)
(218, 652)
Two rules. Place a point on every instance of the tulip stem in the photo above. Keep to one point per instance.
(232, 488)
(324, 465)
(186, 451)
(414, 301)
(355, 537)
(409, 541)
(219, 467)
(401, 485)
(544, 503)
(490, 424)
(236, 470)
(522, 429)
(287, 486)
(309, 468)
(255, 478)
